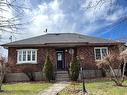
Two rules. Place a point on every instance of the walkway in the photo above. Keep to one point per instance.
(53, 90)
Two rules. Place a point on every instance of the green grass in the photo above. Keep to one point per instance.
(24, 88)
(96, 88)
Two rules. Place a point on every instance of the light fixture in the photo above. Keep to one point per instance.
(66, 50)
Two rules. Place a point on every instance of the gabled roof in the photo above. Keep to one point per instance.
(59, 38)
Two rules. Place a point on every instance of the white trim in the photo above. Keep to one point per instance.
(100, 52)
(26, 49)
(31, 61)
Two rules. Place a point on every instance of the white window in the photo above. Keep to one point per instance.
(59, 58)
(26, 56)
(100, 52)
(33, 55)
(20, 56)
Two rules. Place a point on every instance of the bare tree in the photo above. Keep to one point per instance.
(15, 21)
(2, 71)
(123, 57)
(111, 62)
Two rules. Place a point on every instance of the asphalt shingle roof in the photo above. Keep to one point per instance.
(54, 38)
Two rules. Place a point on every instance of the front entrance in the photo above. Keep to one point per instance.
(60, 59)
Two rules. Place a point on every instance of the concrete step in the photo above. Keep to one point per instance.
(61, 72)
(63, 79)
(62, 76)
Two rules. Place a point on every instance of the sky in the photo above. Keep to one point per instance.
(104, 20)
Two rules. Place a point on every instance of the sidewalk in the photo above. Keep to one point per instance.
(53, 90)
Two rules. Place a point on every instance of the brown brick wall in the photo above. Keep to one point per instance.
(68, 56)
(88, 57)
(114, 49)
(41, 53)
(86, 52)
(67, 59)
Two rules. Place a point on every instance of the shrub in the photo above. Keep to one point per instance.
(48, 69)
(112, 62)
(74, 69)
(30, 74)
(2, 71)
(103, 72)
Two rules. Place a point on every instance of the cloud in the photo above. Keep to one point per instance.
(47, 15)
(66, 16)
(118, 14)
(70, 16)
(102, 14)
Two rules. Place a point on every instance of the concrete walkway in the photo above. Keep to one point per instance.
(53, 90)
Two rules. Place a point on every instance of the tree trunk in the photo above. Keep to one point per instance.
(1, 84)
(124, 64)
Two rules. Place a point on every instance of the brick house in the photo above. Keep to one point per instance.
(29, 54)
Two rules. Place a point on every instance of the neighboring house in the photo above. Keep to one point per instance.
(29, 54)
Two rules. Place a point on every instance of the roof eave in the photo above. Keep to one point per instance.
(62, 44)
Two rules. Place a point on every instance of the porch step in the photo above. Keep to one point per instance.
(61, 72)
(62, 76)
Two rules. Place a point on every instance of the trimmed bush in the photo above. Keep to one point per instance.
(74, 69)
(103, 72)
(48, 69)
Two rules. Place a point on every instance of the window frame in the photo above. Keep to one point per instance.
(26, 61)
(100, 48)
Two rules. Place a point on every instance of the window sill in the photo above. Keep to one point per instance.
(29, 63)
(98, 60)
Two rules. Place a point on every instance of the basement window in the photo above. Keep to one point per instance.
(100, 52)
(26, 56)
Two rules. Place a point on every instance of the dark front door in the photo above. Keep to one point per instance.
(60, 60)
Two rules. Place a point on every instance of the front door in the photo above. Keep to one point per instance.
(60, 60)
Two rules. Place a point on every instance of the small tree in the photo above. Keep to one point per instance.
(2, 71)
(114, 61)
(74, 69)
(48, 69)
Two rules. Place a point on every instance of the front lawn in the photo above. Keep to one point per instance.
(24, 88)
(96, 88)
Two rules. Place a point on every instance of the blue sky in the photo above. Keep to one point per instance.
(73, 16)
(59, 16)
(116, 31)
